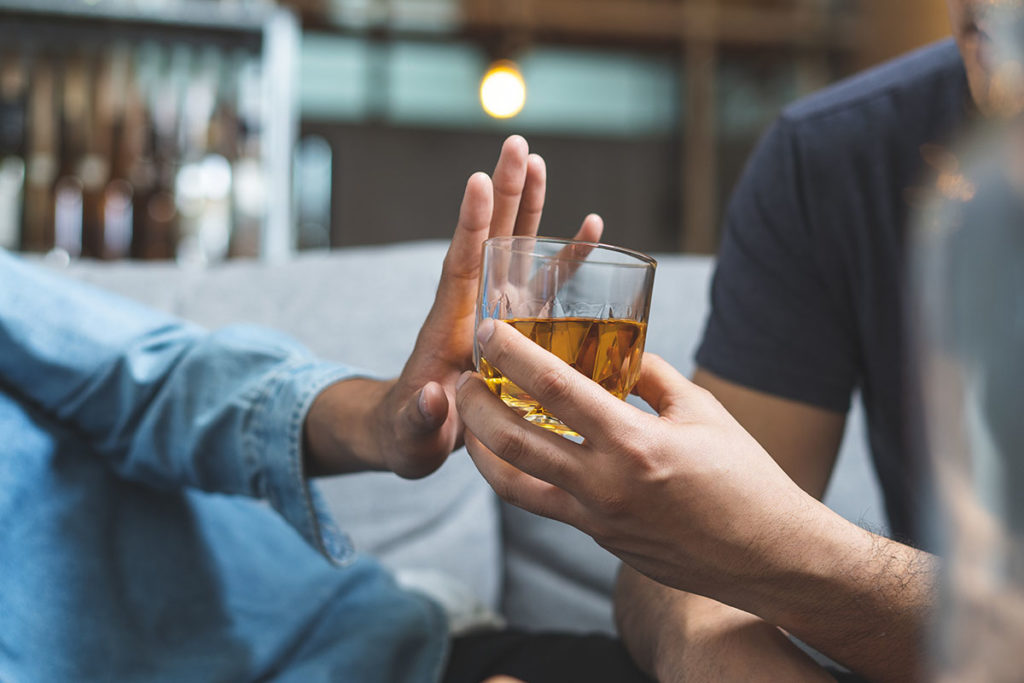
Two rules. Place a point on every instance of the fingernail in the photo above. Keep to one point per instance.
(422, 404)
(485, 330)
(462, 379)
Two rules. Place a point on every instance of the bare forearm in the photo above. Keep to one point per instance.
(645, 614)
(657, 624)
(677, 636)
(859, 598)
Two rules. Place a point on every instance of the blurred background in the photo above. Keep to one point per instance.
(200, 130)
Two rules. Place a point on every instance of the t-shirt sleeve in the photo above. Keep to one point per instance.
(778, 323)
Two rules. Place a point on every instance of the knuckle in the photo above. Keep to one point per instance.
(632, 437)
(454, 269)
(628, 439)
(513, 446)
(463, 399)
(706, 398)
(507, 186)
(647, 450)
(500, 347)
(560, 470)
(612, 505)
(554, 384)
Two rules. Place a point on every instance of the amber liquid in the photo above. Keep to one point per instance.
(606, 351)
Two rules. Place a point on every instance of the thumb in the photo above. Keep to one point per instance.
(421, 443)
(662, 387)
(424, 411)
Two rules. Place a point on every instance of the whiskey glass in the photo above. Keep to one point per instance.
(585, 302)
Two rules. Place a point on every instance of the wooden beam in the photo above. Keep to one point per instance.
(656, 20)
(699, 156)
(896, 27)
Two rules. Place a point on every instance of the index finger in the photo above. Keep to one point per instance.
(461, 268)
(580, 403)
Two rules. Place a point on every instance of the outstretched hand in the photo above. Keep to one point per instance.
(409, 425)
(686, 497)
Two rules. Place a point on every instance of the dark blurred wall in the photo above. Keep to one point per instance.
(393, 183)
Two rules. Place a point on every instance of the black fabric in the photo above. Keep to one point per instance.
(541, 658)
(807, 298)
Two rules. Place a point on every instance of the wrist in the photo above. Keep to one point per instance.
(345, 428)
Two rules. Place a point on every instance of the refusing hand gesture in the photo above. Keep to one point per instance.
(409, 425)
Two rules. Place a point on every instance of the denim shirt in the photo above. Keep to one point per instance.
(155, 523)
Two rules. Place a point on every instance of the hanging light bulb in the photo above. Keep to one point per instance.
(503, 90)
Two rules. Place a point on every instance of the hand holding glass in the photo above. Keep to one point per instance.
(585, 302)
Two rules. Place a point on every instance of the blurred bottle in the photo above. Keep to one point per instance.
(204, 180)
(250, 184)
(69, 189)
(13, 84)
(142, 149)
(94, 164)
(156, 214)
(968, 307)
(139, 146)
(42, 164)
(312, 192)
(121, 117)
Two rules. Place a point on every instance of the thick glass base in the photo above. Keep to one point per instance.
(551, 424)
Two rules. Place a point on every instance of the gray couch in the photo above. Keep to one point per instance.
(363, 307)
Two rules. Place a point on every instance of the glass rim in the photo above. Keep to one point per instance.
(646, 261)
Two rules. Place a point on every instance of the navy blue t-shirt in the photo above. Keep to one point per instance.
(807, 297)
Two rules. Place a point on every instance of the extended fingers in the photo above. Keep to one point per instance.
(531, 449)
(510, 176)
(576, 400)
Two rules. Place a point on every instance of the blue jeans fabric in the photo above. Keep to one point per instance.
(155, 522)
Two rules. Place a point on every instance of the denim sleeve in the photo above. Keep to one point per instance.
(163, 401)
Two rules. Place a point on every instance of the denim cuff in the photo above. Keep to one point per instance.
(274, 452)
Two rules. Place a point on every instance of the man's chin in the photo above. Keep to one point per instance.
(1001, 94)
(996, 88)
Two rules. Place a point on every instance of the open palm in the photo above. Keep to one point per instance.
(419, 425)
